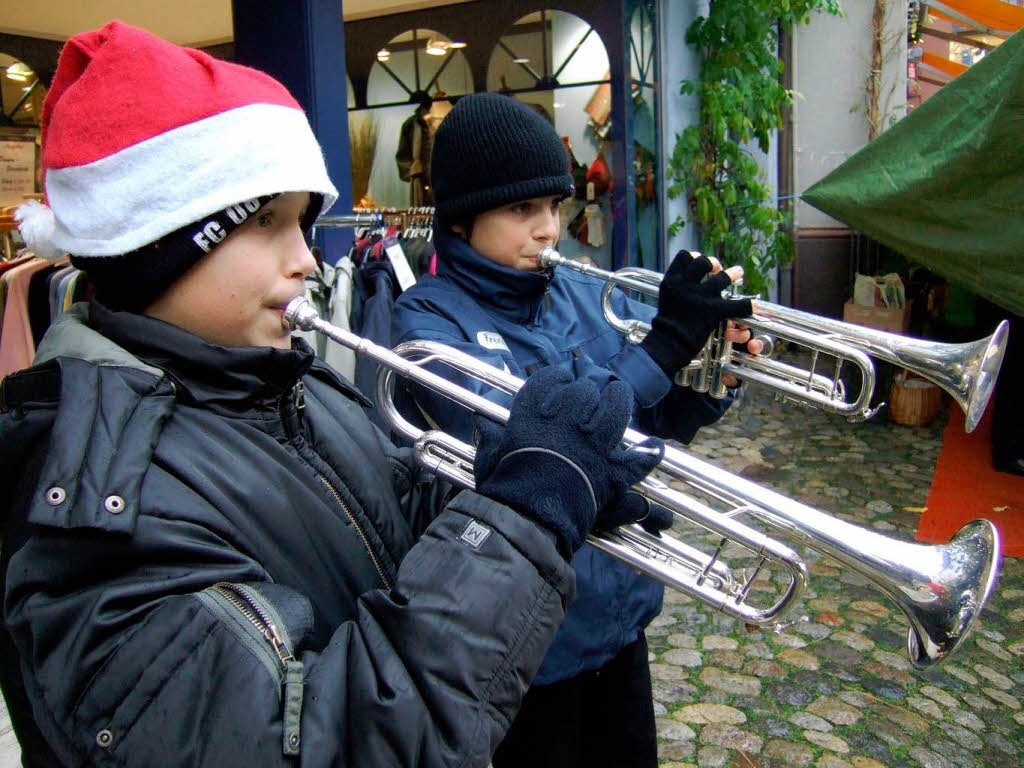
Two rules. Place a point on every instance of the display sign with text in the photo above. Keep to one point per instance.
(17, 171)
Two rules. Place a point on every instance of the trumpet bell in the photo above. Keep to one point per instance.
(943, 614)
(980, 366)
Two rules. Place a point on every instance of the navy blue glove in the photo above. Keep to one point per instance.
(657, 520)
(688, 311)
(560, 460)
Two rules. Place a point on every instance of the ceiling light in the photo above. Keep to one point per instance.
(437, 47)
(457, 45)
(18, 71)
(521, 59)
(383, 54)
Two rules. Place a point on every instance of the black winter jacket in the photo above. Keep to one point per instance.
(213, 558)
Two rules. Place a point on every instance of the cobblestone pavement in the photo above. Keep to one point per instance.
(835, 690)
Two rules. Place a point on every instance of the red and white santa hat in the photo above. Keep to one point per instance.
(141, 137)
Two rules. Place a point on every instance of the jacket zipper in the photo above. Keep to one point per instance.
(243, 600)
(250, 606)
(358, 528)
(300, 401)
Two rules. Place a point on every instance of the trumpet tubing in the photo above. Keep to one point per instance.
(966, 371)
(941, 589)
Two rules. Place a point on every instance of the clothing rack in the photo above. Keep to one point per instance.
(350, 220)
(417, 221)
(418, 217)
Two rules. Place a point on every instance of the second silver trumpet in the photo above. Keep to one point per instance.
(966, 371)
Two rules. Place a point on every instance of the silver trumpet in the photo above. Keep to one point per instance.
(941, 589)
(966, 371)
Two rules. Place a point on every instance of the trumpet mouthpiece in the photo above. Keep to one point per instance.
(548, 257)
(299, 313)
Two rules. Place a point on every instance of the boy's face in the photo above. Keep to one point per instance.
(235, 296)
(514, 234)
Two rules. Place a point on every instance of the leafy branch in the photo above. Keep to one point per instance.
(741, 102)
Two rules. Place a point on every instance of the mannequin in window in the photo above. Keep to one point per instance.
(439, 110)
(413, 155)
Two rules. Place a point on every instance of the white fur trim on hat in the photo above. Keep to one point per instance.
(36, 225)
(137, 195)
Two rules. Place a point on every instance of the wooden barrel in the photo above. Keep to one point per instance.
(913, 401)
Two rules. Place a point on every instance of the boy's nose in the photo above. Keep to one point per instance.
(300, 261)
(547, 227)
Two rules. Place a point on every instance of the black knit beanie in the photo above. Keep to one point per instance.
(492, 150)
(132, 281)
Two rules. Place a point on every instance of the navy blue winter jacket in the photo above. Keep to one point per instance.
(523, 321)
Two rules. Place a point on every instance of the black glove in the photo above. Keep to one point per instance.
(560, 459)
(688, 311)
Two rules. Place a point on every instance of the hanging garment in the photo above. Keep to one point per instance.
(595, 225)
(577, 226)
(317, 294)
(413, 157)
(58, 287)
(419, 251)
(17, 347)
(376, 289)
(40, 293)
(599, 175)
(6, 266)
(341, 358)
(79, 289)
(63, 288)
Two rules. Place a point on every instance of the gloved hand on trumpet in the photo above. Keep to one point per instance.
(560, 459)
(691, 307)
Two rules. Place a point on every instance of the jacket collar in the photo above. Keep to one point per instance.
(208, 374)
(511, 293)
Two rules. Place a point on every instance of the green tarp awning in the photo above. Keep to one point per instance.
(945, 186)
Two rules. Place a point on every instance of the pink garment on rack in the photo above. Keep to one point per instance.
(5, 266)
(17, 347)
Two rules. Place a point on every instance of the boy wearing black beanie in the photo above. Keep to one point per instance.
(499, 172)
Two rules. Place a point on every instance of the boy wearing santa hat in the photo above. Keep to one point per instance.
(212, 557)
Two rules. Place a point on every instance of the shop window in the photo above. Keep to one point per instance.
(643, 87)
(21, 103)
(21, 93)
(545, 50)
(556, 62)
(362, 144)
(408, 94)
